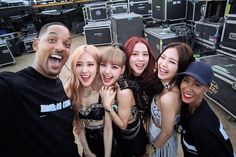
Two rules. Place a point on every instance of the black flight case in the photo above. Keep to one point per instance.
(172, 10)
(6, 56)
(98, 33)
(228, 38)
(142, 7)
(223, 86)
(159, 38)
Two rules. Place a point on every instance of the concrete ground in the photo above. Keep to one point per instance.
(26, 59)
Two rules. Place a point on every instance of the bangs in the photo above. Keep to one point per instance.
(114, 56)
(90, 49)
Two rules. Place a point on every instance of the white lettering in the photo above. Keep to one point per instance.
(66, 103)
(54, 107)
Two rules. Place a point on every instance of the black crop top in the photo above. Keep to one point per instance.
(94, 112)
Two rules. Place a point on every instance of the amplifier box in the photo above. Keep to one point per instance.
(208, 33)
(172, 10)
(98, 33)
(125, 26)
(222, 90)
(13, 42)
(28, 42)
(228, 38)
(6, 56)
(196, 10)
(95, 12)
(142, 7)
(118, 8)
(158, 38)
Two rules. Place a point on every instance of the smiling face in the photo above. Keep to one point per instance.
(167, 65)
(139, 59)
(86, 69)
(52, 50)
(110, 73)
(192, 91)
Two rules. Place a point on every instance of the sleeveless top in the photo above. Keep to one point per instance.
(95, 111)
(156, 114)
(142, 100)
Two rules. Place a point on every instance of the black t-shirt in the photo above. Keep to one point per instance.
(36, 116)
(203, 134)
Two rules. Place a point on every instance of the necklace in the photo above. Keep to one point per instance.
(168, 85)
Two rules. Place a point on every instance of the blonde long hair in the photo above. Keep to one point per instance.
(73, 87)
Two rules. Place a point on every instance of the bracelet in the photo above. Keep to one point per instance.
(153, 146)
(110, 109)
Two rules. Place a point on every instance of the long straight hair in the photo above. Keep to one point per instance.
(129, 47)
(74, 88)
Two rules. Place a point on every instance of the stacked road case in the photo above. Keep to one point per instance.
(95, 12)
(142, 7)
(28, 42)
(125, 26)
(13, 42)
(223, 88)
(6, 56)
(97, 30)
(228, 39)
(118, 8)
(208, 32)
(171, 10)
(159, 38)
(98, 33)
(196, 10)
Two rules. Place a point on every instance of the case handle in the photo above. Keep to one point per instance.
(232, 36)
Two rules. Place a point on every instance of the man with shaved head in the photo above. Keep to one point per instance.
(36, 116)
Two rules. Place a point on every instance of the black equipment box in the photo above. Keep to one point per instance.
(228, 38)
(171, 10)
(13, 42)
(95, 12)
(196, 10)
(28, 42)
(208, 33)
(159, 38)
(6, 56)
(142, 7)
(215, 10)
(223, 86)
(125, 26)
(98, 33)
(118, 8)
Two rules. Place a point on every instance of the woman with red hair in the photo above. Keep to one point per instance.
(140, 65)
